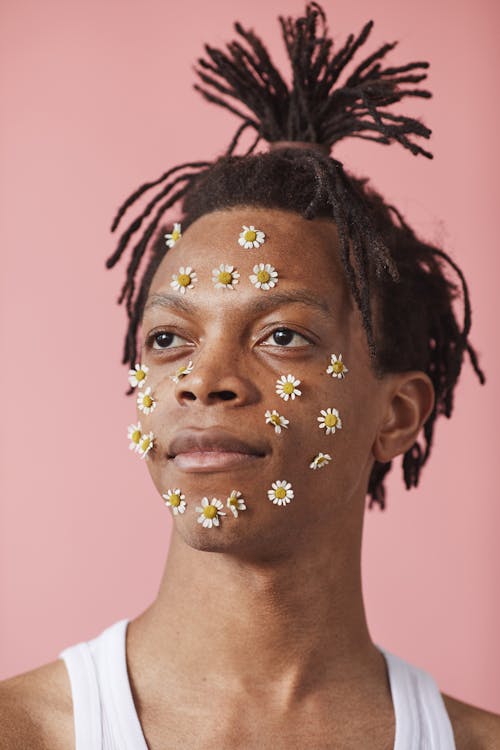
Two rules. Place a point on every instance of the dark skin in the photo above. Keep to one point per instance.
(258, 636)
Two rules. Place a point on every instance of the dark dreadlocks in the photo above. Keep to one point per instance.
(387, 267)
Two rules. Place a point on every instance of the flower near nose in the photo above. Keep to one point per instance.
(182, 372)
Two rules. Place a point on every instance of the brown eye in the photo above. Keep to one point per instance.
(164, 340)
(285, 336)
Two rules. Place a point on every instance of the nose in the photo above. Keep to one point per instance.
(217, 377)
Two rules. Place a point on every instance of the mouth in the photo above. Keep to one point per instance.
(212, 450)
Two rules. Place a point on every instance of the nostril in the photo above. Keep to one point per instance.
(188, 395)
(226, 395)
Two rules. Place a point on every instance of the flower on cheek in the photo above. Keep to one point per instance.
(272, 417)
(235, 503)
(145, 444)
(145, 401)
(182, 372)
(281, 492)
(176, 235)
(134, 433)
(330, 421)
(184, 279)
(251, 237)
(264, 276)
(337, 368)
(287, 387)
(210, 512)
(322, 459)
(137, 376)
(225, 277)
(176, 500)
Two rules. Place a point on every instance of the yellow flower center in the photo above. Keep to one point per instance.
(175, 235)
(233, 500)
(280, 493)
(140, 375)
(184, 279)
(250, 235)
(145, 444)
(210, 511)
(174, 500)
(147, 401)
(288, 388)
(331, 420)
(338, 366)
(275, 419)
(263, 277)
(136, 436)
(225, 277)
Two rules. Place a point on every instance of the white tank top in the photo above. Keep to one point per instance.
(105, 716)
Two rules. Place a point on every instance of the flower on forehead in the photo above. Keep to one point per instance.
(322, 459)
(330, 420)
(235, 502)
(137, 376)
(264, 276)
(251, 237)
(286, 387)
(184, 279)
(225, 277)
(272, 417)
(337, 368)
(134, 433)
(176, 500)
(145, 444)
(145, 401)
(281, 492)
(182, 372)
(210, 512)
(176, 235)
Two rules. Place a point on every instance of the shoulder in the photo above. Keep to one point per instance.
(36, 709)
(472, 726)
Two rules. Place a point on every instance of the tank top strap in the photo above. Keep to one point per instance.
(85, 695)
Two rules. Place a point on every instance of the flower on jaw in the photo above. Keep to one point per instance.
(272, 417)
(286, 387)
(145, 444)
(281, 492)
(176, 500)
(134, 433)
(337, 368)
(330, 420)
(225, 277)
(174, 236)
(137, 376)
(322, 459)
(184, 279)
(182, 372)
(145, 401)
(251, 237)
(264, 276)
(210, 512)
(235, 502)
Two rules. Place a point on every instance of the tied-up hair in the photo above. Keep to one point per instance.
(384, 262)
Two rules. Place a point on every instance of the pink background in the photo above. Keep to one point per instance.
(96, 99)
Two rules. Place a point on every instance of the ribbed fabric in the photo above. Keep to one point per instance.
(105, 716)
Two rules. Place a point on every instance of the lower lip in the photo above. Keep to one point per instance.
(213, 460)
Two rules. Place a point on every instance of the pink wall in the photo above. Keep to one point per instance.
(97, 98)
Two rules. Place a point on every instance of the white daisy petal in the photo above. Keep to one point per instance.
(184, 279)
(264, 276)
(287, 387)
(281, 492)
(137, 376)
(337, 368)
(330, 421)
(322, 459)
(145, 401)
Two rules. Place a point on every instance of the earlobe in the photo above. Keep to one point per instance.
(410, 403)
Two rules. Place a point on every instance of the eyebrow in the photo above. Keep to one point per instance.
(266, 304)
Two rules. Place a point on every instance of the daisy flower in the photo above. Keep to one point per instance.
(322, 459)
(145, 401)
(337, 368)
(272, 417)
(210, 512)
(264, 276)
(235, 502)
(225, 277)
(137, 376)
(251, 237)
(330, 419)
(176, 500)
(176, 235)
(281, 493)
(145, 444)
(286, 387)
(182, 372)
(184, 279)
(134, 433)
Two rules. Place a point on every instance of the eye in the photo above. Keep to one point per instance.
(285, 336)
(164, 340)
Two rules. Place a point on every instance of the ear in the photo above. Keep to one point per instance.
(410, 401)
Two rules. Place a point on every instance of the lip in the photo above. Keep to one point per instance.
(213, 449)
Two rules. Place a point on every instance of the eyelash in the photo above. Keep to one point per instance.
(150, 340)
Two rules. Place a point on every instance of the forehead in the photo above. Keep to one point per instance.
(303, 252)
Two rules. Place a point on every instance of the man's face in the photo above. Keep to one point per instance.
(241, 343)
